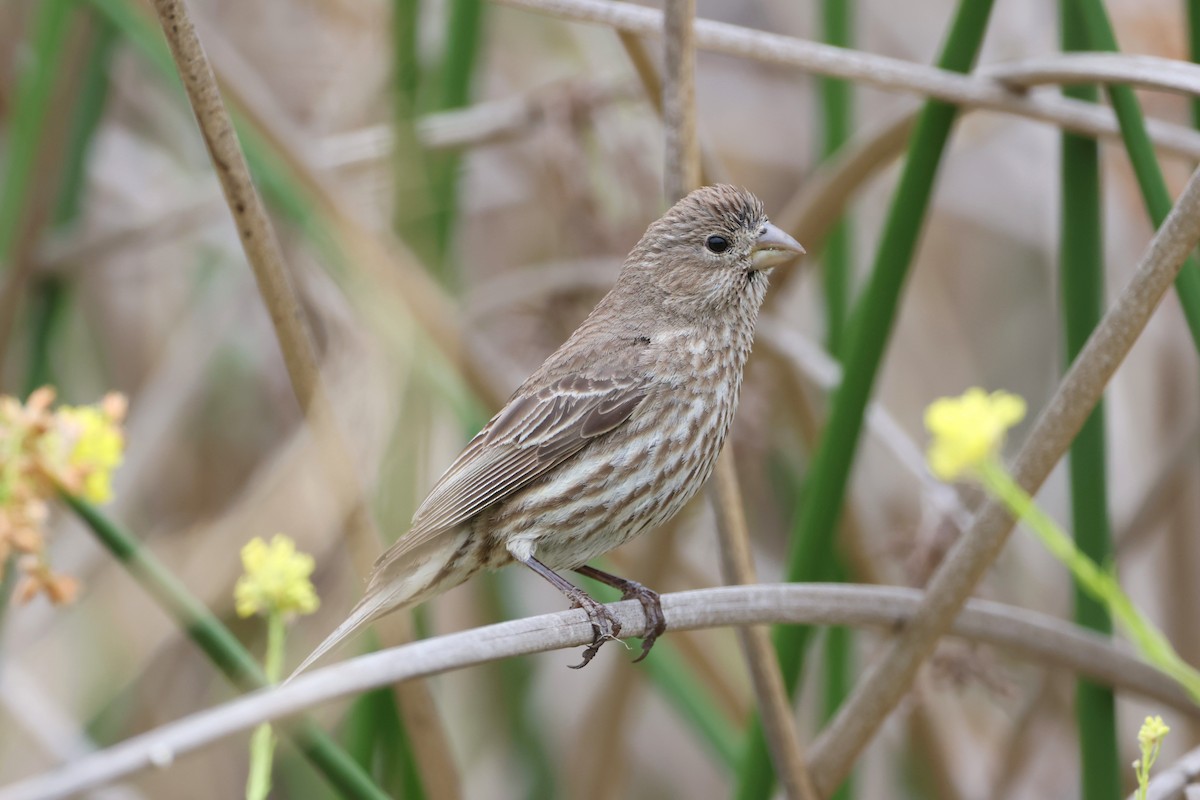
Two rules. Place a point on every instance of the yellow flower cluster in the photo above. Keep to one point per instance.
(73, 449)
(1150, 739)
(276, 579)
(92, 446)
(1152, 732)
(968, 430)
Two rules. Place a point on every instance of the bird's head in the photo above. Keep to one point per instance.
(714, 247)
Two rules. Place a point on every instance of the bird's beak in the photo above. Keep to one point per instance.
(774, 247)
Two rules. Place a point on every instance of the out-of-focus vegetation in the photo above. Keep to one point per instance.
(454, 183)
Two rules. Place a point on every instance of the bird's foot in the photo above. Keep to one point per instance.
(605, 626)
(656, 621)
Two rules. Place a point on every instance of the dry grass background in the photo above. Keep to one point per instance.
(162, 307)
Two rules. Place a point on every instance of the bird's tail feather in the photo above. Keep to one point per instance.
(369, 609)
(396, 585)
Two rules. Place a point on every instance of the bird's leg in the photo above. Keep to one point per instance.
(656, 623)
(605, 625)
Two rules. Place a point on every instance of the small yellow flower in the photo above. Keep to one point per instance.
(92, 439)
(73, 449)
(968, 430)
(1153, 731)
(276, 579)
(1150, 739)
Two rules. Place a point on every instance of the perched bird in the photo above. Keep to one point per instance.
(613, 434)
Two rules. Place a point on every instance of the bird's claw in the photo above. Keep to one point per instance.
(605, 626)
(656, 621)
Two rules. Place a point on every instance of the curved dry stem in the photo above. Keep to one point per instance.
(891, 674)
(249, 215)
(644, 67)
(485, 123)
(681, 172)
(1147, 72)
(867, 69)
(1028, 634)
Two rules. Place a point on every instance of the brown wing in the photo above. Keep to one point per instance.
(530, 436)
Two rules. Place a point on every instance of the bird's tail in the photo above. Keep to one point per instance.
(369, 609)
(395, 584)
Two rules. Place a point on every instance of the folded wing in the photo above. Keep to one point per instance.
(530, 436)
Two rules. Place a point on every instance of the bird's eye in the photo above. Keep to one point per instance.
(717, 244)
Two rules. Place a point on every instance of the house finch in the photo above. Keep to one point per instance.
(613, 434)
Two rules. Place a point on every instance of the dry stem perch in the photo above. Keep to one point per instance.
(1039, 637)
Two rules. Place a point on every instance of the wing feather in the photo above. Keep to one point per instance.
(531, 435)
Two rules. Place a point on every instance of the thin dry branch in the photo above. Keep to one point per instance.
(889, 677)
(1024, 633)
(1147, 72)
(868, 69)
(681, 172)
(253, 226)
(478, 125)
(643, 66)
